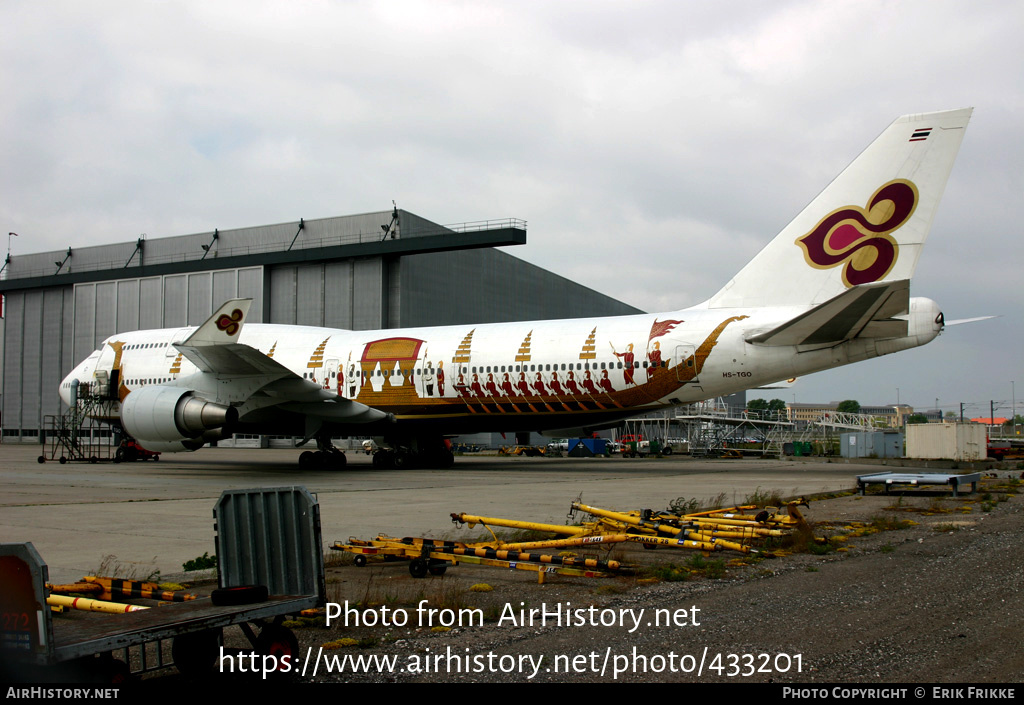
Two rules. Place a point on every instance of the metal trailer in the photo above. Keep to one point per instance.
(270, 565)
(917, 479)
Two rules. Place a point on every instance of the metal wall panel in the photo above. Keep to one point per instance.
(282, 295)
(225, 286)
(106, 311)
(127, 305)
(67, 353)
(309, 295)
(31, 384)
(175, 301)
(338, 294)
(200, 298)
(393, 301)
(368, 301)
(250, 286)
(52, 347)
(151, 303)
(85, 320)
(14, 326)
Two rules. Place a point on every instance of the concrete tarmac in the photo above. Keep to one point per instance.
(157, 515)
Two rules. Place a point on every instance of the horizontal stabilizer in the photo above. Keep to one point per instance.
(864, 311)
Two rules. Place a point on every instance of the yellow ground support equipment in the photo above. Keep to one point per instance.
(111, 588)
(433, 556)
(85, 603)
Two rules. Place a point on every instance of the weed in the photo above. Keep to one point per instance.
(333, 558)
(709, 568)
(887, 548)
(339, 643)
(884, 523)
(667, 572)
(935, 506)
(820, 549)
(203, 562)
(717, 502)
(447, 594)
(681, 505)
(946, 528)
(764, 498)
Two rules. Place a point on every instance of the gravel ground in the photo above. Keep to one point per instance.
(938, 601)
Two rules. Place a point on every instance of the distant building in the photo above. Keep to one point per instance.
(894, 415)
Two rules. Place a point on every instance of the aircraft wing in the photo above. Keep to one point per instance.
(214, 349)
(865, 311)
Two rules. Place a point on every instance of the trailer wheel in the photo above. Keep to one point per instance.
(437, 569)
(63, 460)
(196, 653)
(649, 546)
(279, 642)
(240, 595)
(41, 459)
(418, 568)
(116, 671)
(360, 561)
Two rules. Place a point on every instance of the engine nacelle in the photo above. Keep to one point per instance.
(173, 415)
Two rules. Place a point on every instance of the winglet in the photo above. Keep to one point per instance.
(223, 326)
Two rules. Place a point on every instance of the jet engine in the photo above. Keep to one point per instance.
(173, 419)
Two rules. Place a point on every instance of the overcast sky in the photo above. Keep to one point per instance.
(652, 147)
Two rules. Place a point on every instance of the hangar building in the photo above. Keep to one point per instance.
(386, 269)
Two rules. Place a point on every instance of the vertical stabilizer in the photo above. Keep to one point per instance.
(867, 226)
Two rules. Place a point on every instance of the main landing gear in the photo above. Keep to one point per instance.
(419, 453)
(326, 457)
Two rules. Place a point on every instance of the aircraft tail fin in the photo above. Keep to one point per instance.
(867, 226)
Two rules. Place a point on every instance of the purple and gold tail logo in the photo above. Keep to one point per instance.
(860, 239)
(230, 324)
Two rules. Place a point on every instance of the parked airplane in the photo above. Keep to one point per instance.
(831, 289)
